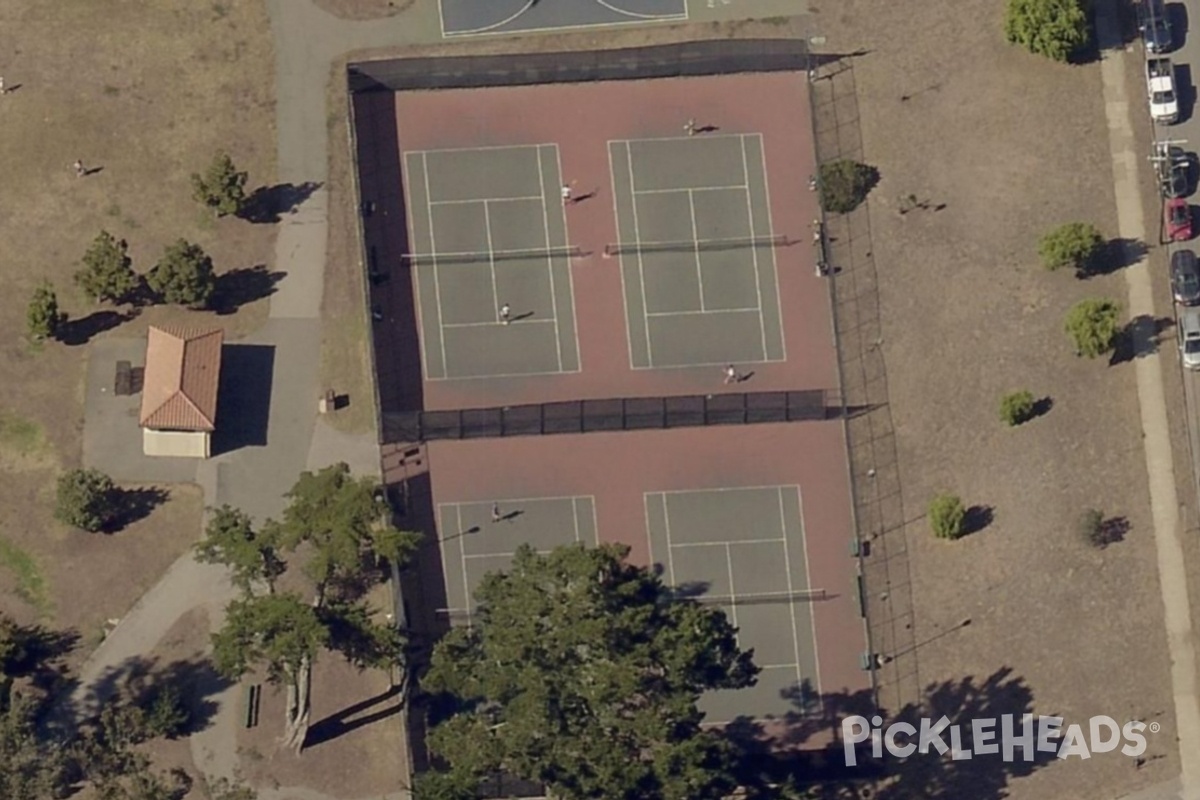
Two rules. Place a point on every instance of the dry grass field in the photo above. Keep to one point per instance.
(144, 94)
(1011, 145)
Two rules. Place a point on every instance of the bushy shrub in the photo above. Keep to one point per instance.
(1075, 244)
(1016, 407)
(87, 499)
(844, 185)
(1093, 327)
(947, 516)
(1057, 29)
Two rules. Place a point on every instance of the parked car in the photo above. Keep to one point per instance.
(1178, 218)
(1155, 26)
(1189, 337)
(1160, 86)
(1174, 171)
(1185, 278)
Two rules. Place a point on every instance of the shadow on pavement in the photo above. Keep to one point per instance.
(244, 397)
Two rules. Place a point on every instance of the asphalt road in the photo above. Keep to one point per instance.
(1185, 20)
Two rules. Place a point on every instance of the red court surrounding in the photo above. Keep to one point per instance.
(617, 469)
(581, 119)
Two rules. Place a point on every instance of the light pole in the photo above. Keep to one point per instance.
(809, 43)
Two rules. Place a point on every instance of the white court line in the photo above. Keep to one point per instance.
(570, 266)
(575, 517)
(508, 375)
(494, 324)
(762, 326)
(637, 236)
(808, 578)
(696, 248)
(554, 28)
(681, 138)
(743, 187)
(762, 148)
(437, 287)
(774, 487)
(666, 530)
(779, 666)
(733, 595)
(406, 182)
(486, 28)
(487, 224)
(480, 148)
(612, 176)
(643, 17)
(697, 364)
(483, 200)
(549, 259)
(704, 311)
(596, 526)
(787, 565)
(462, 549)
(725, 542)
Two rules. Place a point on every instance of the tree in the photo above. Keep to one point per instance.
(31, 767)
(225, 789)
(107, 272)
(1075, 244)
(844, 185)
(220, 187)
(947, 516)
(583, 672)
(283, 633)
(1016, 408)
(43, 316)
(184, 275)
(87, 499)
(1057, 29)
(1093, 327)
(230, 539)
(345, 519)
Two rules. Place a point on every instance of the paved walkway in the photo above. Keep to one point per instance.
(1164, 503)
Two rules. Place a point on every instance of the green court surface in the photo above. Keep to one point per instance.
(744, 551)
(488, 231)
(693, 296)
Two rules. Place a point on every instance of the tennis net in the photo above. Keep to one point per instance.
(696, 245)
(568, 251)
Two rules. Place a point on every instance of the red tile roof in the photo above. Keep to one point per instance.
(179, 389)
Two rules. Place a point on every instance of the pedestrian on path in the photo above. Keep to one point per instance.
(496, 517)
(79, 170)
(731, 375)
(566, 193)
(3, 88)
(812, 183)
(505, 313)
(689, 127)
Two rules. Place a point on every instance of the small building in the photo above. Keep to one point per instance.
(179, 390)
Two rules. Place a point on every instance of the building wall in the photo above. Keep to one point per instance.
(185, 444)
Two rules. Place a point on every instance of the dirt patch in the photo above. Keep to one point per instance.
(364, 9)
(954, 299)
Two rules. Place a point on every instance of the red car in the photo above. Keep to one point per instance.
(1178, 218)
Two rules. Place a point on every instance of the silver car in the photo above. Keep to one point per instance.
(1189, 337)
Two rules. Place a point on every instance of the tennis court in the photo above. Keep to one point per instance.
(489, 236)
(697, 250)
(476, 540)
(744, 551)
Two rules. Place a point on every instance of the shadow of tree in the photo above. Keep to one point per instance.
(244, 285)
(340, 723)
(141, 679)
(1141, 337)
(35, 653)
(268, 203)
(977, 518)
(134, 505)
(1041, 407)
(1115, 254)
(80, 331)
(780, 751)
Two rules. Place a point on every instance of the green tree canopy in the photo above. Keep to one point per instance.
(583, 672)
(107, 271)
(183, 276)
(221, 187)
(43, 316)
(1093, 326)
(278, 631)
(1075, 244)
(346, 521)
(87, 499)
(1057, 29)
(230, 539)
(844, 184)
(31, 768)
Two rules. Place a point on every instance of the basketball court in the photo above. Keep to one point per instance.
(484, 17)
(488, 231)
(697, 251)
